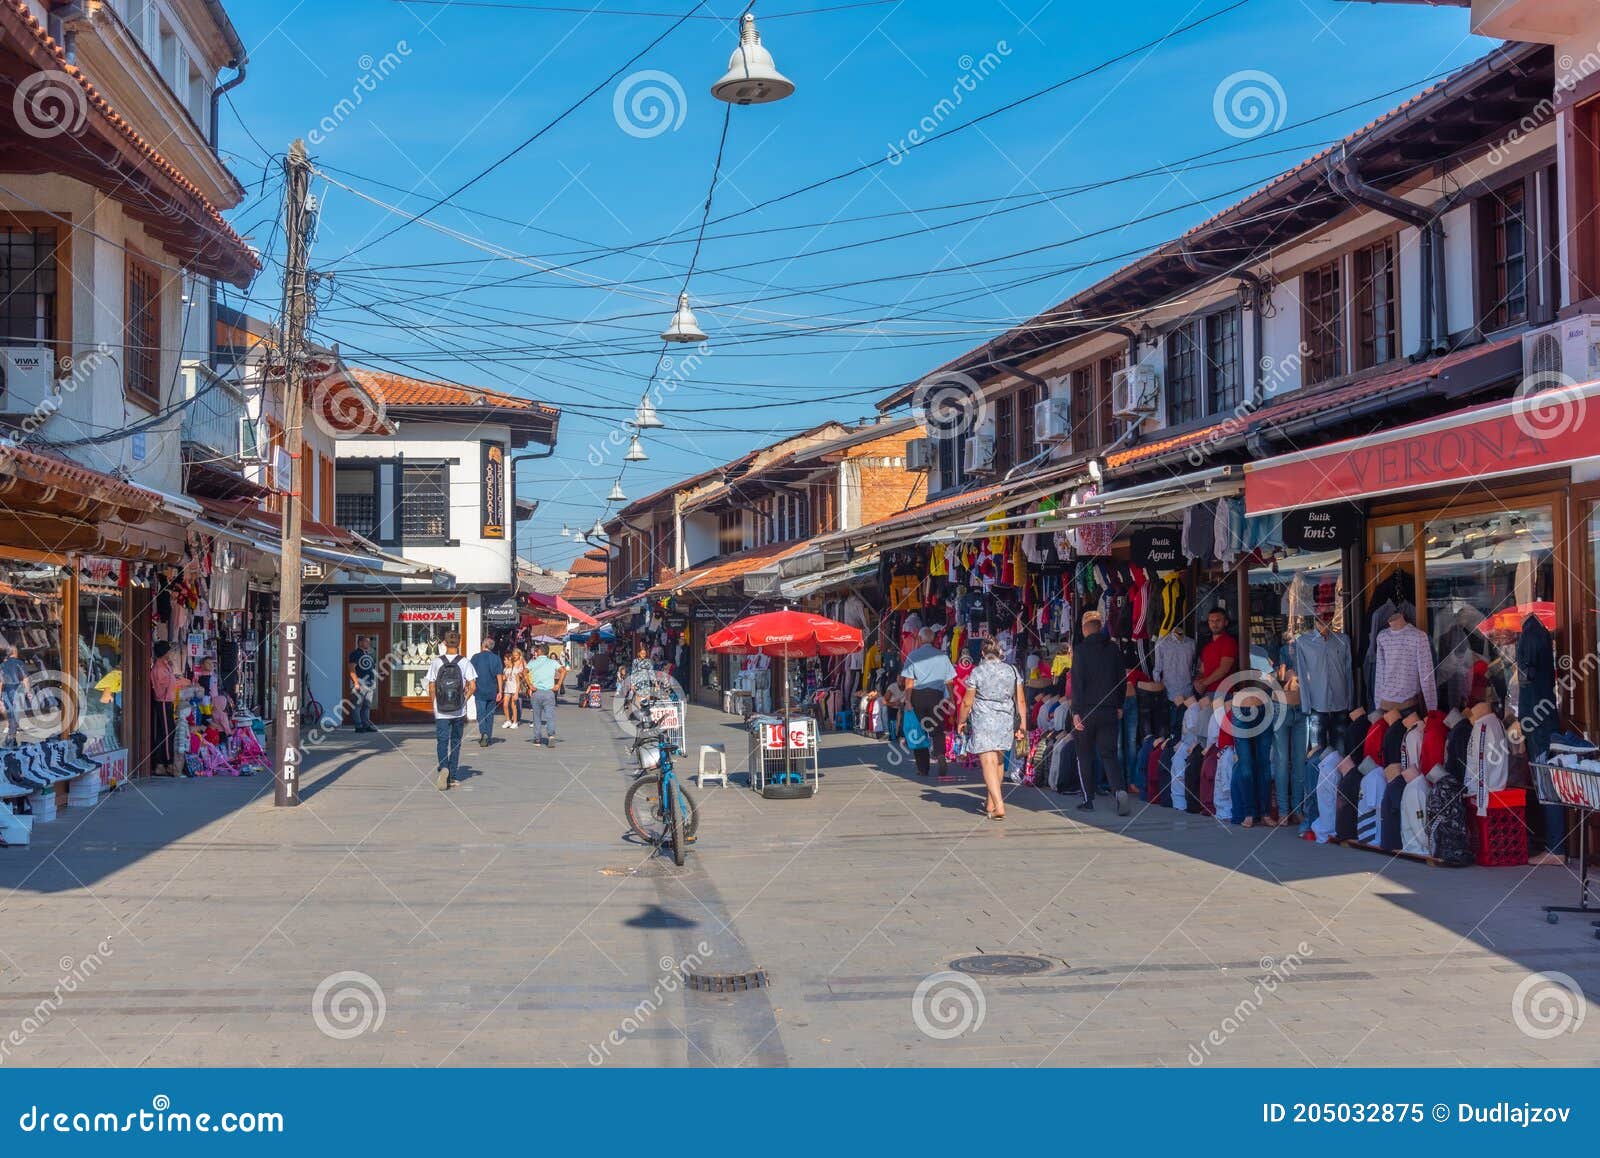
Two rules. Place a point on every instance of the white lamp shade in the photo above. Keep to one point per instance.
(635, 451)
(566, 531)
(684, 327)
(646, 418)
(598, 530)
(752, 78)
(616, 495)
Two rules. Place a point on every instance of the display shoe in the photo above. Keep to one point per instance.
(11, 767)
(31, 770)
(63, 756)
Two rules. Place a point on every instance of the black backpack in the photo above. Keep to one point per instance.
(449, 687)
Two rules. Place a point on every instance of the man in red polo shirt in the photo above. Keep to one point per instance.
(1219, 658)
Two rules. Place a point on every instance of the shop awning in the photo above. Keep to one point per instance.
(728, 569)
(914, 525)
(1547, 429)
(247, 524)
(852, 572)
(1148, 502)
(556, 603)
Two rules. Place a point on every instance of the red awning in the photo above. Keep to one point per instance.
(556, 603)
(1546, 429)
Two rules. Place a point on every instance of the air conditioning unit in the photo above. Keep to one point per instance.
(1052, 419)
(1134, 391)
(1567, 350)
(27, 379)
(978, 458)
(919, 454)
(251, 440)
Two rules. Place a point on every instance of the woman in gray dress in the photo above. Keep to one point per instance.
(995, 706)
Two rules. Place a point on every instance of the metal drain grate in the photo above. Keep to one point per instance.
(1002, 965)
(726, 982)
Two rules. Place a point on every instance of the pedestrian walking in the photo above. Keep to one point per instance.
(511, 693)
(362, 667)
(449, 682)
(542, 679)
(927, 676)
(490, 684)
(1099, 676)
(994, 706)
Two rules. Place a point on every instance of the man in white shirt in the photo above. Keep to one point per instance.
(449, 682)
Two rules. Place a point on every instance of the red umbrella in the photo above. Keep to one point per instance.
(1512, 618)
(786, 635)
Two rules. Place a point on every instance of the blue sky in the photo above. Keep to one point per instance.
(407, 101)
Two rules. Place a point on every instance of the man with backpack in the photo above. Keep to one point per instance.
(450, 680)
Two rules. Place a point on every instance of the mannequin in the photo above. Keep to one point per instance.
(1327, 677)
(1403, 671)
(1172, 664)
(1488, 757)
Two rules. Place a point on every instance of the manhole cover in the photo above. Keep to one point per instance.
(726, 982)
(648, 869)
(1001, 964)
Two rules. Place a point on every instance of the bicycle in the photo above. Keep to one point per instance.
(658, 805)
(311, 710)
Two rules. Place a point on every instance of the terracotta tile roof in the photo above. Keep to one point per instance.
(1304, 402)
(398, 390)
(48, 470)
(584, 589)
(585, 565)
(16, 12)
(726, 570)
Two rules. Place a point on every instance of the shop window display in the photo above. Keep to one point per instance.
(419, 631)
(1486, 576)
(30, 641)
(100, 647)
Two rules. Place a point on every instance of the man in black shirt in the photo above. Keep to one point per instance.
(1098, 678)
(363, 669)
(491, 684)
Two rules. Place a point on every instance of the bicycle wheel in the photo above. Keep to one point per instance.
(680, 846)
(312, 712)
(643, 807)
(648, 817)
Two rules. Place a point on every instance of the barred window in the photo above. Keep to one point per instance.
(355, 503)
(1183, 375)
(1322, 292)
(27, 286)
(1225, 381)
(1375, 304)
(425, 503)
(141, 336)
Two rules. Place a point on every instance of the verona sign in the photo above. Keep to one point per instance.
(1484, 442)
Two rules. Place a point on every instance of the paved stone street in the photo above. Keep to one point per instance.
(509, 922)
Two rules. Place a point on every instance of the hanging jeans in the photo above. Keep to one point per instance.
(1128, 738)
(1252, 771)
(1289, 762)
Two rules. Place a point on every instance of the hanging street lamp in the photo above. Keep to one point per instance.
(684, 328)
(752, 78)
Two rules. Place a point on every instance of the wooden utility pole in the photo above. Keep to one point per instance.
(291, 630)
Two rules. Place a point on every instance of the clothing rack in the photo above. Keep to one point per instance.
(1579, 789)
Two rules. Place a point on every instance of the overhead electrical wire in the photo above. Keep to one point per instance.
(541, 131)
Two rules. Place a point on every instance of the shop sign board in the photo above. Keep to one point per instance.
(1327, 528)
(288, 755)
(795, 735)
(1158, 548)
(196, 644)
(492, 490)
(502, 613)
(364, 612)
(1530, 433)
(440, 613)
(113, 767)
(313, 601)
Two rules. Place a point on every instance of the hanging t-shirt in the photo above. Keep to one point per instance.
(1414, 817)
(1369, 806)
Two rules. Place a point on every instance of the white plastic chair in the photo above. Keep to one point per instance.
(720, 751)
